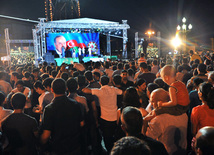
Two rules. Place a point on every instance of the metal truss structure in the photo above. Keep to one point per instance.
(82, 25)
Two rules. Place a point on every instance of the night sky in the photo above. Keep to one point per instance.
(161, 15)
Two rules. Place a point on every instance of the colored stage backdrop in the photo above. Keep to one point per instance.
(74, 41)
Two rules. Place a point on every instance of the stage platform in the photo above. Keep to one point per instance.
(59, 61)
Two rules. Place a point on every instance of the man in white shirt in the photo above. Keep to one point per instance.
(108, 104)
(169, 129)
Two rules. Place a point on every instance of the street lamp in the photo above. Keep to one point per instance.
(150, 33)
(184, 29)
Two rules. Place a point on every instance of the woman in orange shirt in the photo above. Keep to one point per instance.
(203, 115)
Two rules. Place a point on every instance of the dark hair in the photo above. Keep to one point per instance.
(104, 80)
(18, 101)
(16, 74)
(44, 76)
(35, 70)
(197, 81)
(161, 84)
(139, 82)
(206, 140)
(130, 72)
(196, 61)
(202, 68)
(106, 65)
(131, 98)
(38, 84)
(210, 68)
(54, 73)
(76, 74)
(124, 71)
(72, 85)
(57, 37)
(81, 80)
(27, 74)
(152, 86)
(133, 120)
(126, 66)
(129, 146)
(119, 66)
(97, 64)
(47, 82)
(59, 86)
(207, 91)
(65, 76)
(20, 82)
(191, 51)
(88, 75)
(97, 74)
(117, 79)
(143, 65)
(155, 62)
(179, 68)
(2, 98)
(114, 68)
(142, 55)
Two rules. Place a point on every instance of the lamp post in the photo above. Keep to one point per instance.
(150, 33)
(184, 29)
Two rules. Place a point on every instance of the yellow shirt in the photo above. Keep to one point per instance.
(195, 56)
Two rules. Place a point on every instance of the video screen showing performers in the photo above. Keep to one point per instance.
(63, 45)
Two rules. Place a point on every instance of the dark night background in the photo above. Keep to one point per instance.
(161, 15)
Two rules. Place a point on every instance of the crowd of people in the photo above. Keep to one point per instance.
(144, 106)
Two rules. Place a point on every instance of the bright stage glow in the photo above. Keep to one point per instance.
(176, 42)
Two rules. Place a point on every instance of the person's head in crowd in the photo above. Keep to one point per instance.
(143, 67)
(126, 66)
(114, 67)
(196, 61)
(211, 77)
(58, 86)
(207, 62)
(209, 68)
(191, 52)
(2, 98)
(205, 141)
(206, 93)
(64, 76)
(76, 74)
(201, 68)
(48, 69)
(130, 145)
(19, 70)
(36, 72)
(72, 85)
(185, 61)
(180, 68)
(89, 76)
(39, 88)
(27, 75)
(106, 65)
(130, 72)
(53, 73)
(162, 65)
(168, 74)
(154, 63)
(158, 95)
(47, 83)
(194, 66)
(132, 121)
(150, 88)
(104, 80)
(96, 76)
(191, 63)
(20, 85)
(120, 66)
(124, 75)
(81, 81)
(14, 76)
(18, 101)
(117, 80)
(197, 81)
(131, 98)
(141, 85)
(12, 69)
(2, 75)
(97, 65)
(142, 55)
(60, 43)
(44, 76)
